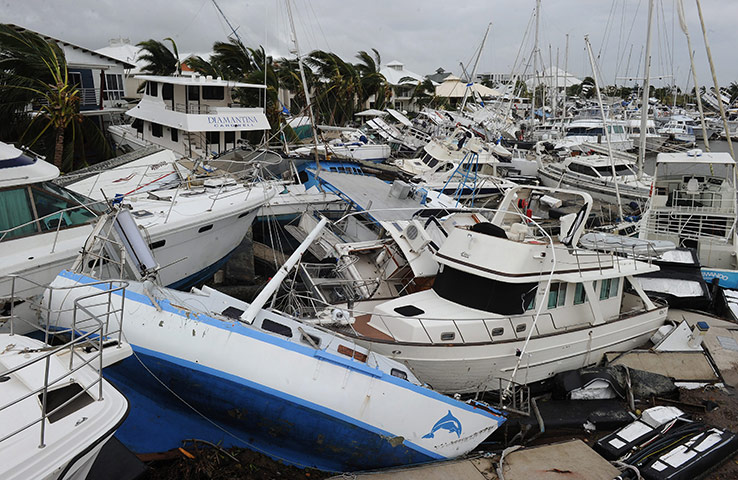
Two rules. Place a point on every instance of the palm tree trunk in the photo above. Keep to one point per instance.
(59, 148)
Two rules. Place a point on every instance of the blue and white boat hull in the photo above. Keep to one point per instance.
(337, 407)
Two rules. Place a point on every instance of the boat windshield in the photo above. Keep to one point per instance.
(41, 207)
(622, 169)
(482, 293)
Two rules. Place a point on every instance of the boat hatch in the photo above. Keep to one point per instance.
(64, 401)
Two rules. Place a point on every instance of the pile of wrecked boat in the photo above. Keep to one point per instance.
(405, 322)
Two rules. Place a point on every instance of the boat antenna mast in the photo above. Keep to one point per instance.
(604, 124)
(470, 81)
(235, 34)
(715, 81)
(644, 97)
(683, 25)
(305, 90)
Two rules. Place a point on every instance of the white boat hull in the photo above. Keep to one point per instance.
(462, 368)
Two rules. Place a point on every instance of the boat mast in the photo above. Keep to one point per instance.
(714, 79)
(683, 25)
(305, 90)
(474, 70)
(604, 124)
(535, 58)
(273, 285)
(646, 92)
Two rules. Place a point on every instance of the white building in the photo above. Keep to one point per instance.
(403, 83)
(99, 77)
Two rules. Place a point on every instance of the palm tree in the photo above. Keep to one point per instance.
(372, 82)
(161, 60)
(337, 86)
(33, 72)
(424, 93)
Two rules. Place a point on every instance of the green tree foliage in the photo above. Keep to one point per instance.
(39, 102)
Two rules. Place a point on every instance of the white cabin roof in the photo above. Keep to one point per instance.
(197, 80)
(20, 168)
(696, 156)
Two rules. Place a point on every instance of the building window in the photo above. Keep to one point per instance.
(213, 93)
(75, 78)
(580, 296)
(113, 87)
(157, 130)
(557, 295)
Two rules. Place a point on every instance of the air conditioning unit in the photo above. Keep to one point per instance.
(416, 236)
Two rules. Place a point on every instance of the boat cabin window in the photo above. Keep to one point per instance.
(138, 125)
(53, 208)
(609, 288)
(193, 92)
(483, 293)
(157, 130)
(606, 170)
(174, 134)
(583, 169)
(396, 372)
(275, 327)
(580, 295)
(152, 88)
(210, 92)
(448, 336)
(167, 91)
(15, 213)
(430, 161)
(26, 210)
(557, 295)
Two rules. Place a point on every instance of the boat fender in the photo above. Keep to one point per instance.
(521, 203)
(340, 316)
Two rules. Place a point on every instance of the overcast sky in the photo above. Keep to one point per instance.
(422, 34)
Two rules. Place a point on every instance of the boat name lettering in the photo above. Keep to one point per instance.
(232, 120)
(708, 274)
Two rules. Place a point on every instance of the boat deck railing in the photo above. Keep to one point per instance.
(692, 225)
(92, 329)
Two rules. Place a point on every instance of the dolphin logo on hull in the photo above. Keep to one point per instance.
(448, 422)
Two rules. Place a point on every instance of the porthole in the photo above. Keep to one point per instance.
(448, 336)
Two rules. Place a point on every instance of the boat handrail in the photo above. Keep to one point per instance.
(92, 339)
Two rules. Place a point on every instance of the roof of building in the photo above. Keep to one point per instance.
(552, 77)
(64, 43)
(395, 72)
(453, 87)
(439, 76)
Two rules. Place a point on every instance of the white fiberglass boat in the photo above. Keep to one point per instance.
(536, 306)
(257, 378)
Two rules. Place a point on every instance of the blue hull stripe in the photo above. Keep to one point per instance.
(240, 329)
(208, 388)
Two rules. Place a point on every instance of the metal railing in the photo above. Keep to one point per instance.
(96, 335)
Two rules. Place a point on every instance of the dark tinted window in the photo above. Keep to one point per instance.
(213, 93)
(483, 293)
(278, 328)
(167, 91)
(157, 130)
